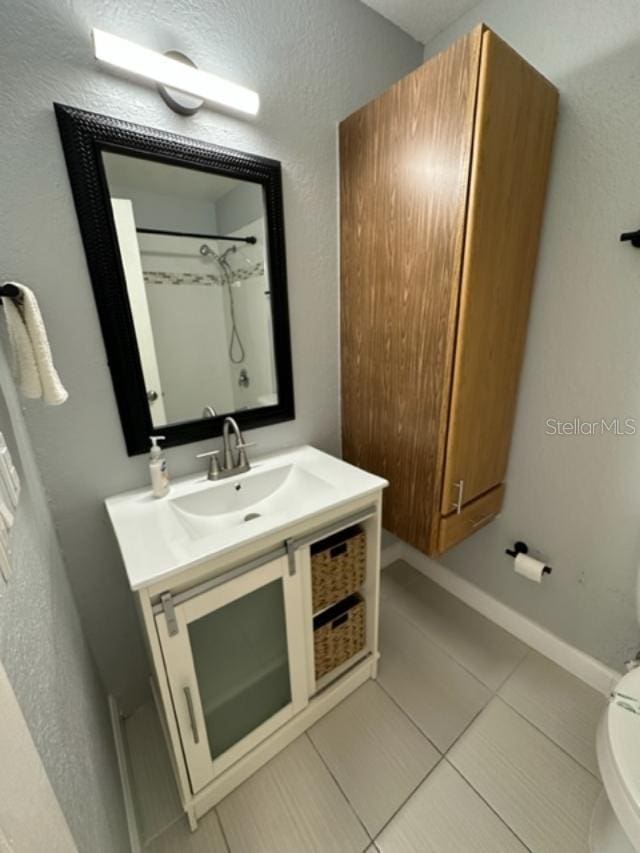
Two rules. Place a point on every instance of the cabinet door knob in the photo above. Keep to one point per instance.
(457, 505)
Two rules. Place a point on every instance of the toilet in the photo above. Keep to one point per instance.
(615, 824)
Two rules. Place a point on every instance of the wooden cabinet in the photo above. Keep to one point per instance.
(442, 187)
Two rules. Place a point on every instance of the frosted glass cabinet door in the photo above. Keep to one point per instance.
(235, 666)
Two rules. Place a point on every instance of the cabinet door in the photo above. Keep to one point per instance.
(236, 666)
(404, 171)
(515, 123)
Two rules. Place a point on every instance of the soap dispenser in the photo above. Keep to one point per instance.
(158, 468)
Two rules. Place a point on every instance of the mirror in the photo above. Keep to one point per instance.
(193, 252)
(185, 244)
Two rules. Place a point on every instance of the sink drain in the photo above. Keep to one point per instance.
(251, 516)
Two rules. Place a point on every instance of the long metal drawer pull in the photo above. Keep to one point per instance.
(192, 714)
(457, 505)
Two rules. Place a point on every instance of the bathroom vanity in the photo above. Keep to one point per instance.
(259, 598)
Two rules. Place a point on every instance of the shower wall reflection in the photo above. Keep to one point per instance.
(192, 245)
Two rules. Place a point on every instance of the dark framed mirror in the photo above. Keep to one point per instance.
(186, 252)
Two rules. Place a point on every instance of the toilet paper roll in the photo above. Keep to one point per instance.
(528, 567)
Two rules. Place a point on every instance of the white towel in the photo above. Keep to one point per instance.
(37, 376)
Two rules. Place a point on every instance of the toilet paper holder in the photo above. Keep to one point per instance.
(523, 548)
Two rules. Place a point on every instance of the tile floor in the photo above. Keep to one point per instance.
(468, 741)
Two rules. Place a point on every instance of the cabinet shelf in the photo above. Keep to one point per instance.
(232, 717)
(245, 686)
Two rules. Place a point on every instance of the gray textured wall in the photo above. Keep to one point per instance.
(576, 498)
(46, 657)
(313, 62)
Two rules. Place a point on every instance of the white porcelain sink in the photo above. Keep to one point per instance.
(200, 520)
(244, 499)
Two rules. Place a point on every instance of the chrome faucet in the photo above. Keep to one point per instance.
(231, 465)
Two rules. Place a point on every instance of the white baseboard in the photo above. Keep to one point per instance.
(391, 553)
(595, 673)
(123, 767)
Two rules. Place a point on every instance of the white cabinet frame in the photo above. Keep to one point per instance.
(182, 678)
(213, 574)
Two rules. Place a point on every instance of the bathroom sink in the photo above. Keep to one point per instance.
(246, 498)
(201, 520)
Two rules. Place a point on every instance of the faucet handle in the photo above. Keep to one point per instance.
(241, 447)
(214, 465)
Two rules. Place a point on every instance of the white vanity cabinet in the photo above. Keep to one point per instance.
(227, 609)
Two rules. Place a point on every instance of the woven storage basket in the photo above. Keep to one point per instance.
(338, 566)
(339, 634)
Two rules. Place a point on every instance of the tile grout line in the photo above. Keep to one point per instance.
(550, 739)
(467, 727)
(222, 830)
(339, 786)
(398, 608)
(416, 582)
(493, 695)
(515, 669)
(409, 717)
(465, 730)
(411, 792)
(495, 692)
(406, 800)
(443, 753)
(487, 804)
(470, 783)
(148, 841)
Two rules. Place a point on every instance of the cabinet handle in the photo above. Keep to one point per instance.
(192, 714)
(482, 520)
(457, 505)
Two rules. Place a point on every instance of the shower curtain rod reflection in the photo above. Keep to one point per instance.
(251, 240)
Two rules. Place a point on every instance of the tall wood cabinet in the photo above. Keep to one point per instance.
(442, 188)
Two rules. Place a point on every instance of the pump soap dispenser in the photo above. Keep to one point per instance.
(158, 468)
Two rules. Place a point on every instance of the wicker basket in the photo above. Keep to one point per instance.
(338, 566)
(339, 634)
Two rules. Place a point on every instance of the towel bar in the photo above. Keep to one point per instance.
(9, 289)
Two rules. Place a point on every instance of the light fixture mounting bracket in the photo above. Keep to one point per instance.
(180, 102)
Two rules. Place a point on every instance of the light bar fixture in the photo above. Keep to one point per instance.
(162, 69)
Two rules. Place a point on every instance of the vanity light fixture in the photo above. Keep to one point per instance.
(174, 73)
